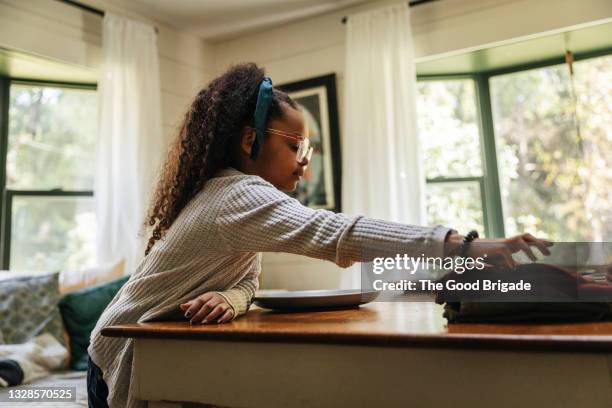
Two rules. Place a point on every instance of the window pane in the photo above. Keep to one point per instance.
(593, 79)
(546, 178)
(455, 204)
(448, 128)
(52, 133)
(52, 233)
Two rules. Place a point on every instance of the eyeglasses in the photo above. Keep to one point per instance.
(304, 151)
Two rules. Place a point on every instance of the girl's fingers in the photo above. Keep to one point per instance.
(193, 308)
(206, 296)
(202, 313)
(527, 250)
(216, 312)
(541, 244)
(207, 308)
(227, 316)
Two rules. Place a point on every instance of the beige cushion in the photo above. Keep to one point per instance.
(74, 280)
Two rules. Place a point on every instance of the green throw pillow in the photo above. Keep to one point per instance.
(81, 310)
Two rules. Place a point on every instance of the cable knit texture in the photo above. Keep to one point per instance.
(215, 245)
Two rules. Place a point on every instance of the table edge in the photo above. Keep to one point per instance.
(508, 342)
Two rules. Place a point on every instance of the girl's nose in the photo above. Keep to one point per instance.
(307, 157)
(304, 161)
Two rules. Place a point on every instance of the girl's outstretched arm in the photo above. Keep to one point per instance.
(256, 216)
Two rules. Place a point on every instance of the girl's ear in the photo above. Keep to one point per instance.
(246, 140)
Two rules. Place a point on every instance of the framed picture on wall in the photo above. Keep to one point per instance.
(320, 187)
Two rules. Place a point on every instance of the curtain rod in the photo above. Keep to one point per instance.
(89, 9)
(410, 4)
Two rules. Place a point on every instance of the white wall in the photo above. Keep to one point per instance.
(68, 34)
(316, 46)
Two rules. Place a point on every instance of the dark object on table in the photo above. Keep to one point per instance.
(512, 312)
(568, 288)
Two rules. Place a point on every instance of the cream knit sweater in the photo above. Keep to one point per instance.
(215, 244)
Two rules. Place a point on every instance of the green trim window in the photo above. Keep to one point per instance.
(47, 175)
(455, 164)
(521, 149)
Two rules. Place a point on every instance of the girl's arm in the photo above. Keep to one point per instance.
(255, 216)
(241, 295)
(227, 305)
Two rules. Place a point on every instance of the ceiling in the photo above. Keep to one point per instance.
(217, 20)
(591, 37)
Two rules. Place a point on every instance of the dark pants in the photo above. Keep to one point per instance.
(97, 391)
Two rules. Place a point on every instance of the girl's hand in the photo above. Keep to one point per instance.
(499, 251)
(208, 308)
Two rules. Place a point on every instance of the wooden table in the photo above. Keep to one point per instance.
(384, 354)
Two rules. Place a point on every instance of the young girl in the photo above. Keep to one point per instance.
(219, 204)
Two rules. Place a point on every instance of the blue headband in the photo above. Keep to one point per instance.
(264, 98)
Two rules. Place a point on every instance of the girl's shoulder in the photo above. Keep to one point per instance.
(233, 186)
(229, 183)
(229, 172)
(231, 177)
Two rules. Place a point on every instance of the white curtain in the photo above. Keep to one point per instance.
(382, 172)
(130, 137)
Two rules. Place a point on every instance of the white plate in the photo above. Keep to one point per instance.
(314, 299)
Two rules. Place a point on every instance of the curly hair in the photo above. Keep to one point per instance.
(208, 141)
